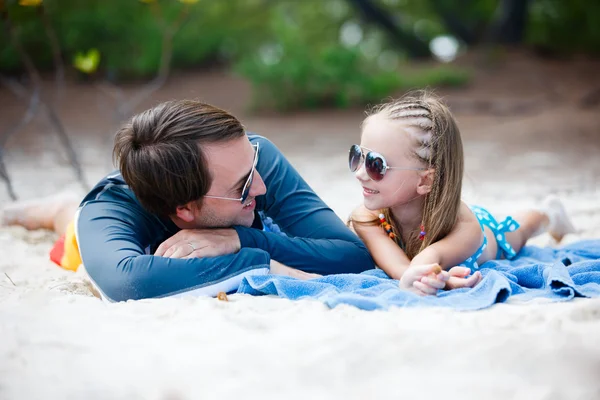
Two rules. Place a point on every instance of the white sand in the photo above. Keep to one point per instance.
(59, 342)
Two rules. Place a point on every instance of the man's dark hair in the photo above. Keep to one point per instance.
(159, 152)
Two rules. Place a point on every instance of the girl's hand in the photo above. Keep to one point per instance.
(424, 279)
(459, 278)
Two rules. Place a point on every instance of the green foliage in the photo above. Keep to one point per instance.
(87, 63)
(565, 27)
(27, 24)
(303, 67)
(334, 76)
(296, 53)
(301, 78)
(127, 33)
(557, 26)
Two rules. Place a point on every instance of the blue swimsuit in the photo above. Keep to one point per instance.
(499, 229)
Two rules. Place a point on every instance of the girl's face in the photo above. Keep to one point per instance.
(389, 138)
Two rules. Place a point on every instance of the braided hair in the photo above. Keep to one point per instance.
(437, 144)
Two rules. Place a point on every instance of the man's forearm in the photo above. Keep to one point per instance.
(320, 256)
(146, 276)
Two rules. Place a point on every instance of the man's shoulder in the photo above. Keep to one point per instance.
(270, 159)
(253, 137)
(111, 188)
(266, 145)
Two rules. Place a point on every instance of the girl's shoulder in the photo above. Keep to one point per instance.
(466, 215)
(464, 211)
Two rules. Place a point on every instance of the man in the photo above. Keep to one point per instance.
(197, 205)
(191, 211)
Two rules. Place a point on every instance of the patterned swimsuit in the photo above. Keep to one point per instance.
(499, 229)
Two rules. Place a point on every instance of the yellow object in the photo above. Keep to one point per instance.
(65, 252)
(87, 62)
(30, 3)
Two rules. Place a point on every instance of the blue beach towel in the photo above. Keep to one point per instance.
(555, 274)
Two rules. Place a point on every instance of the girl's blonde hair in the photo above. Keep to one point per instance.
(437, 144)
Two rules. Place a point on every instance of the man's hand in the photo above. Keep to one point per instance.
(424, 279)
(458, 278)
(200, 243)
(278, 268)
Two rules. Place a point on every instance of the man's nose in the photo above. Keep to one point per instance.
(258, 187)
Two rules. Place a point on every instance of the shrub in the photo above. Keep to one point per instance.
(300, 67)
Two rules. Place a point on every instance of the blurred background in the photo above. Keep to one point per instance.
(521, 76)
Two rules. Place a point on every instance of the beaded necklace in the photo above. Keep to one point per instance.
(390, 231)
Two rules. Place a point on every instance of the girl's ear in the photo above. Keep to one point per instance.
(426, 181)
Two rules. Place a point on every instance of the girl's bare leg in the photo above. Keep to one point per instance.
(533, 223)
(52, 212)
(551, 217)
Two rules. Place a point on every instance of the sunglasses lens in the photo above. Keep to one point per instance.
(247, 186)
(375, 166)
(354, 157)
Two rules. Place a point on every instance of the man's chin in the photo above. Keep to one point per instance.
(247, 222)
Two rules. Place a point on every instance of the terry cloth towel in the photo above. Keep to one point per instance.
(555, 274)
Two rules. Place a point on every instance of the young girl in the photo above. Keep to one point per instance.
(410, 165)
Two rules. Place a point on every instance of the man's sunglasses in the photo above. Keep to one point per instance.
(247, 185)
(375, 163)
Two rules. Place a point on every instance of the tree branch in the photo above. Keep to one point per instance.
(453, 22)
(5, 177)
(35, 98)
(168, 33)
(59, 66)
(32, 108)
(510, 22)
(401, 38)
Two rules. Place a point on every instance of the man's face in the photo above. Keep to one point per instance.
(229, 163)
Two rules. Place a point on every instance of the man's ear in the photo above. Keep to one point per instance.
(426, 181)
(186, 212)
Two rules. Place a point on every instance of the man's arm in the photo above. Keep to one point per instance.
(112, 235)
(318, 241)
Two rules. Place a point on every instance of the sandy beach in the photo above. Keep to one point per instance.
(57, 341)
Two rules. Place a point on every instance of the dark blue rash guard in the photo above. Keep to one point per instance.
(117, 237)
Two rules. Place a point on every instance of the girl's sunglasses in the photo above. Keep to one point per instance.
(375, 163)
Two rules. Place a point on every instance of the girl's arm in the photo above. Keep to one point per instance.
(461, 243)
(387, 254)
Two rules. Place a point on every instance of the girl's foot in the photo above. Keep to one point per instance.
(559, 222)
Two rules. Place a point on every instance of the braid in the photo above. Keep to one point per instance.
(417, 114)
(429, 205)
(438, 145)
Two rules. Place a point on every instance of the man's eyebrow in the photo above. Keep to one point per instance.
(243, 179)
(241, 182)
